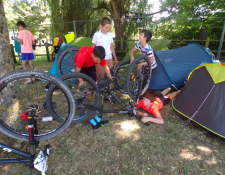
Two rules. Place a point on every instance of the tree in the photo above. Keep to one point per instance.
(64, 12)
(191, 18)
(6, 59)
(34, 13)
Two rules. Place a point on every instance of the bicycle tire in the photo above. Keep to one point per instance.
(83, 99)
(24, 97)
(53, 56)
(133, 77)
(120, 74)
(66, 61)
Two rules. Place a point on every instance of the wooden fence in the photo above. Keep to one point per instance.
(123, 52)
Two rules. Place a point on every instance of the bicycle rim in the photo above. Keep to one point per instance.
(87, 97)
(135, 75)
(66, 61)
(120, 74)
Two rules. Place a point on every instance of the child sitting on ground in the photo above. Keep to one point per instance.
(153, 102)
(144, 49)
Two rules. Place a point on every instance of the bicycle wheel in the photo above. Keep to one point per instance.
(66, 61)
(87, 97)
(120, 74)
(18, 97)
(53, 56)
(135, 75)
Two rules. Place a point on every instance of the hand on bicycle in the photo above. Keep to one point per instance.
(81, 82)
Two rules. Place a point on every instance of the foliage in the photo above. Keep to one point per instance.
(77, 11)
(33, 13)
(189, 18)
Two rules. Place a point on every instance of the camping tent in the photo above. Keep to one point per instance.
(203, 98)
(173, 66)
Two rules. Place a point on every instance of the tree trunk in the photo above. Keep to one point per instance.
(118, 13)
(6, 58)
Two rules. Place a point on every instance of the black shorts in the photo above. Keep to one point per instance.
(165, 99)
(56, 49)
(91, 72)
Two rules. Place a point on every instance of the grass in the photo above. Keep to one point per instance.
(126, 146)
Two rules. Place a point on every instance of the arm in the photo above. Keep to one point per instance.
(79, 79)
(131, 55)
(107, 71)
(151, 59)
(93, 45)
(19, 41)
(113, 53)
(158, 119)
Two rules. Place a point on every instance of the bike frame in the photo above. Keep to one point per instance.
(26, 157)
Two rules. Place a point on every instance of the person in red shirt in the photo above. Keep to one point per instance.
(86, 59)
(152, 102)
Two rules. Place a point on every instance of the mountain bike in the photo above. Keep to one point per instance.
(27, 112)
(66, 65)
(87, 97)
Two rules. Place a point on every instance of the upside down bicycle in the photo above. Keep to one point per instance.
(27, 111)
(127, 79)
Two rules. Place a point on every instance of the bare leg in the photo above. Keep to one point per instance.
(166, 91)
(174, 94)
(31, 64)
(24, 66)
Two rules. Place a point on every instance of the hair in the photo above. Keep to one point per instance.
(21, 23)
(99, 52)
(105, 20)
(148, 34)
(151, 95)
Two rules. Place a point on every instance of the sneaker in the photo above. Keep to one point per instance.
(81, 112)
(173, 87)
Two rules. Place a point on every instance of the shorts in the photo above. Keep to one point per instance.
(56, 49)
(27, 56)
(165, 99)
(90, 71)
(100, 69)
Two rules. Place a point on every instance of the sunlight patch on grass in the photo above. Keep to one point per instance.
(127, 129)
(188, 154)
(205, 149)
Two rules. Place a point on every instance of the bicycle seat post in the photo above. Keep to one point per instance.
(31, 127)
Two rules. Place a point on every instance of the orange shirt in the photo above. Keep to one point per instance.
(154, 107)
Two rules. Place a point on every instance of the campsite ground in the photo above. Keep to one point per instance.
(125, 146)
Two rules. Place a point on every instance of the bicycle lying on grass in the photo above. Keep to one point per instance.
(27, 110)
(127, 79)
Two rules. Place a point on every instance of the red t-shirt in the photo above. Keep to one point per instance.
(154, 107)
(83, 58)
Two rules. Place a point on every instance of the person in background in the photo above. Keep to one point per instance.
(26, 40)
(56, 43)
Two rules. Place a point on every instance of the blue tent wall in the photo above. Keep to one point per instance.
(173, 66)
(62, 48)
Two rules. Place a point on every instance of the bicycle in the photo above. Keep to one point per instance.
(66, 65)
(88, 97)
(28, 109)
(53, 55)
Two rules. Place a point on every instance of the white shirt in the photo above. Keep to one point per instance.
(104, 40)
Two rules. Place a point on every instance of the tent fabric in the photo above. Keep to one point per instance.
(81, 42)
(174, 66)
(69, 37)
(202, 101)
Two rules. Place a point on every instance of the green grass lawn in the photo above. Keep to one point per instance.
(127, 147)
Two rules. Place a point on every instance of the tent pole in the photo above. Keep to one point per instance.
(221, 41)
